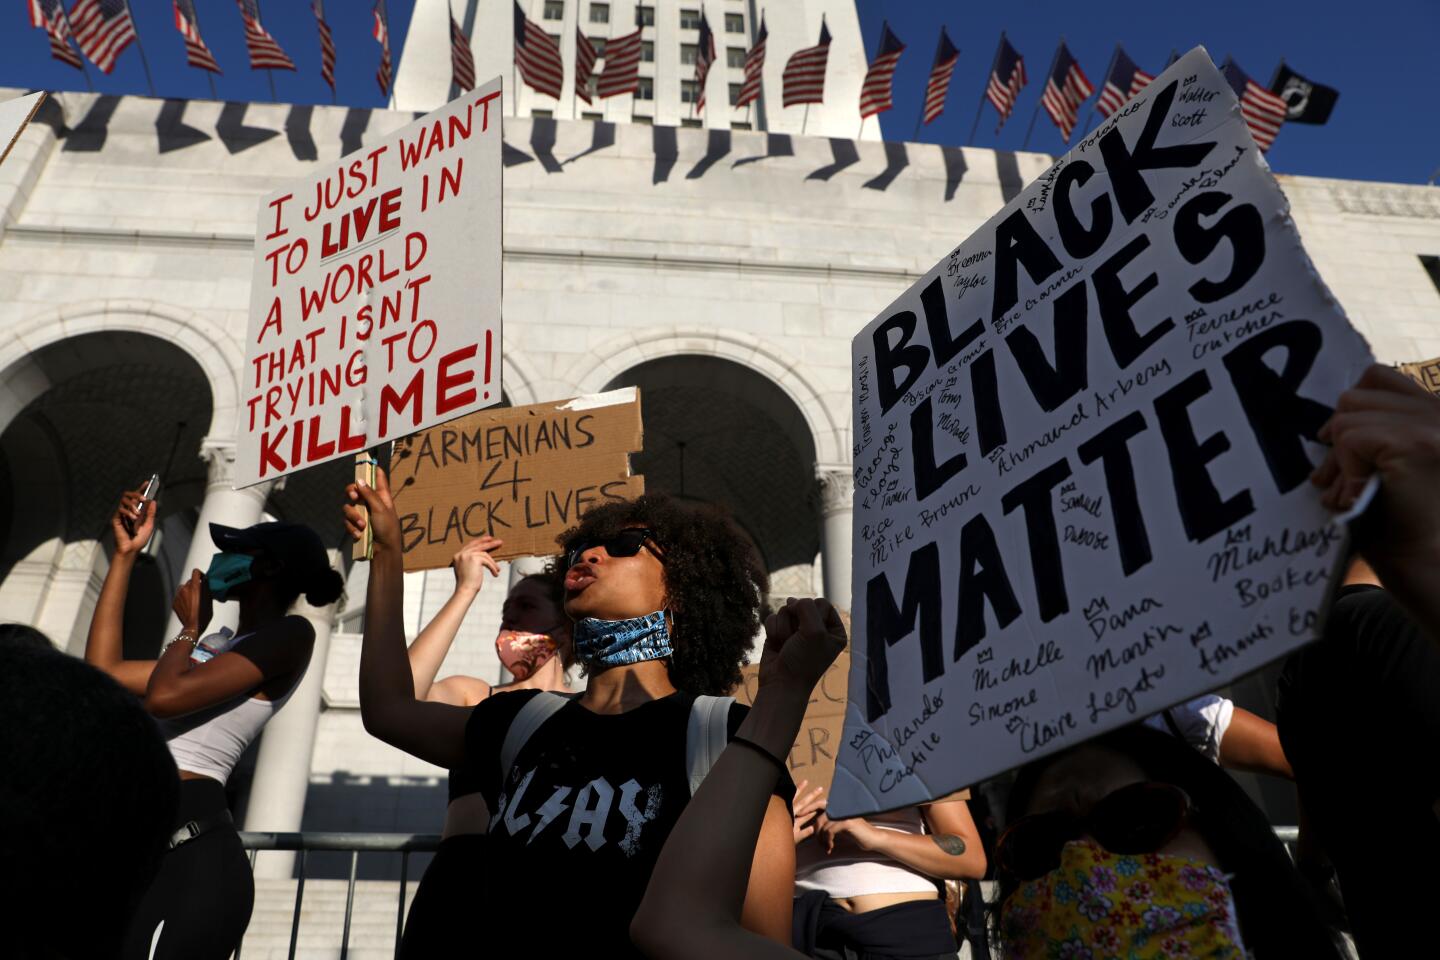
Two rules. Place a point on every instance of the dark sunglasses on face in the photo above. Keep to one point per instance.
(1139, 818)
(625, 543)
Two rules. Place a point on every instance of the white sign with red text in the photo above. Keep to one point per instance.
(375, 302)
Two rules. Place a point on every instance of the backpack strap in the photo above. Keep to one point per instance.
(531, 717)
(706, 736)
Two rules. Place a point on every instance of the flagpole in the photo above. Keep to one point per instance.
(144, 60)
(1035, 114)
(981, 109)
(1104, 80)
(805, 120)
(83, 69)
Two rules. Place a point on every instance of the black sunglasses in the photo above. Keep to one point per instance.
(625, 543)
(1139, 818)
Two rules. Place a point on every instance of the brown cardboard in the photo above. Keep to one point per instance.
(522, 474)
(1424, 372)
(813, 756)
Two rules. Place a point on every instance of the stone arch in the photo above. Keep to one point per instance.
(209, 344)
(611, 359)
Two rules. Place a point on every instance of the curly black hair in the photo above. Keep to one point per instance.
(714, 582)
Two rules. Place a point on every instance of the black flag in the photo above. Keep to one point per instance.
(1308, 102)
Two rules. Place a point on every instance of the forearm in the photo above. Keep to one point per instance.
(944, 856)
(1252, 743)
(105, 643)
(385, 678)
(428, 651)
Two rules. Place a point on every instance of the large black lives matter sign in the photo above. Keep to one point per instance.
(1082, 444)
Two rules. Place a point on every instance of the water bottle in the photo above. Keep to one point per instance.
(212, 645)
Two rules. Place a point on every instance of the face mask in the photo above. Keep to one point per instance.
(228, 571)
(1143, 906)
(523, 653)
(616, 643)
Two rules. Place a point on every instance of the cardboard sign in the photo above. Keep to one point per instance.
(523, 474)
(813, 756)
(1082, 449)
(375, 301)
(14, 115)
(1424, 372)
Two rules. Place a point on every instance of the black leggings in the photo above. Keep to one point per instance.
(452, 889)
(199, 904)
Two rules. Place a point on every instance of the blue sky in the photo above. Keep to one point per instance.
(1378, 54)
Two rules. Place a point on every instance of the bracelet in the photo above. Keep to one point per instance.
(180, 636)
(779, 764)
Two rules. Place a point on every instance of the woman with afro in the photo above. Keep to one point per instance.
(581, 792)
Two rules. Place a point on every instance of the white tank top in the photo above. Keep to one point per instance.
(857, 873)
(210, 741)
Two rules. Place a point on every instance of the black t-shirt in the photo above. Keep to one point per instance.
(582, 815)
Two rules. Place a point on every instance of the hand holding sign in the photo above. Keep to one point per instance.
(372, 508)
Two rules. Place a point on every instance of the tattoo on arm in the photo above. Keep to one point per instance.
(950, 843)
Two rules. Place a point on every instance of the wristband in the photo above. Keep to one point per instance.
(180, 636)
(779, 764)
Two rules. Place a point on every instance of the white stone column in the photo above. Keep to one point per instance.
(224, 505)
(282, 767)
(835, 492)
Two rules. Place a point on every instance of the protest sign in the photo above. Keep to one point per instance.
(1424, 372)
(375, 299)
(1082, 448)
(523, 474)
(14, 115)
(813, 755)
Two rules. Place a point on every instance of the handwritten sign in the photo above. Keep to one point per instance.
(14, 115)
(523, 474)
(1424, 372)
(375, 299)
(813, 755)
(1082, 449)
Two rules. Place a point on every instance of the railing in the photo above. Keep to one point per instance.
(403, 844)
(356, 844)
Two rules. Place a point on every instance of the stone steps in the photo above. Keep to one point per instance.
(322, 919)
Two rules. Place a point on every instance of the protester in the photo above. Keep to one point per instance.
(1388, 426)
(693, 906)
(1226, 734)
(1133, 844)
(873, 886)
(213, 694)
(534, 646)
(87, 802)
(1358, 708)
(666, 602)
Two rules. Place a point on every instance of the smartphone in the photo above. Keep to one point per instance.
(148, 495)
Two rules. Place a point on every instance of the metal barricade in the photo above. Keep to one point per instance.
(355, 844)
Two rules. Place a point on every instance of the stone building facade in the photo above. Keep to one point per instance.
(722, 271)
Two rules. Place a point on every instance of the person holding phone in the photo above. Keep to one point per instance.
(212, 695)
(665, 599)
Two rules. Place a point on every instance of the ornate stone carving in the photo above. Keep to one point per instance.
(834, 490)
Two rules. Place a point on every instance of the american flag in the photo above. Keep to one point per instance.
(622, 66)
(1263, 110)
(1007, 79)
(585, 57)
(265, 53)
(1065, 89)
(537, 54)
(704, 57)
(1125, 80)
(804, 78)
(103, 29)
(327, 43)
(382, 36)
(196, 53)
(754, 67)
(462, 61)
(946, 56)
(50, 14)
(879, 79)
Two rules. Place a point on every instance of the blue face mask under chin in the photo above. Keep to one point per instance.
(617, 643)
(228, 571)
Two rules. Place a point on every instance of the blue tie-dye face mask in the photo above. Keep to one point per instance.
(616, 643)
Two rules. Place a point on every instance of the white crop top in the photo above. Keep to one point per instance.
(852, 872)
(210, 741)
